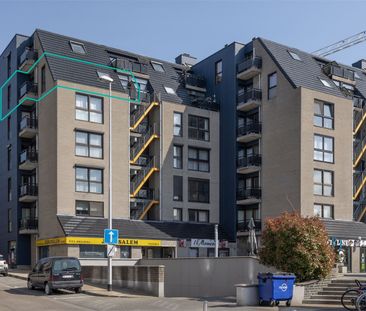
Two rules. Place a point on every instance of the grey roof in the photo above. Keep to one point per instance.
(345, 229)
(62, 69)
(306, 73)
(94, 227)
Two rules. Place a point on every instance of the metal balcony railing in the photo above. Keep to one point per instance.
(250, 193)
(254, 94)
(28, 155)
(254, 160)
(333, 69)
(255, 62)
(195, 80)
(142, 175)
(28, 123)
(28, 87)
(139, 111)
(28, 224)
(130, 65)
(28, 189)
(358, 102)
(251, 128)
(242, 226)
(144, 141)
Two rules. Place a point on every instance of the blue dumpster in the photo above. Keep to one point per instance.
(275, 287)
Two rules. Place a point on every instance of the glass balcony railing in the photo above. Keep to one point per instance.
(248, 193)
(255, 62)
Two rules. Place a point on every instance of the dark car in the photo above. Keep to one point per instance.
(56, 273)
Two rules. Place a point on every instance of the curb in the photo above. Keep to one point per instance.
(17, 276)
(86, 292)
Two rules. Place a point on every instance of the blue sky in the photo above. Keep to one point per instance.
(166, 28)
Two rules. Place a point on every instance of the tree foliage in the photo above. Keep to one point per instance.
(299, 245)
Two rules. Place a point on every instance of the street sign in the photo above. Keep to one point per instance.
(111, 250)
(110, 236)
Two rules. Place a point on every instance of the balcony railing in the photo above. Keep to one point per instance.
(252, 128)
(27, 55)
(130, 65)
(205, 103)
(28, 190)
(28, 224)
(254, 160)
(28, 155)
(242, 226)
(252, 95)
(358, 102)
(251, 193)
(144, 141)
(147, 194)
(332, 69)
(28, 87)
(255, 62)
(142, 175)
(195, 81)
(28, 123)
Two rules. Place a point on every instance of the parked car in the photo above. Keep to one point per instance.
(3, 266)
(56, 273)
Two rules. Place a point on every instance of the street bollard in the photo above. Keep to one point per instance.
(205, 305)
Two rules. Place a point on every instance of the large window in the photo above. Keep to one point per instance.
(323, 148)
(198, 128)
(198, 190)
(177, 188)
(272, 85)
(93, 251)
(218, 72)
(177, 156)
(198, 159)
(87, 208)
(88, 144)
(323, 114)
(323, 210)
(178, 126)
(89, 180)
(89, 108)
(195, 215)
(323, 183)
(177, 214)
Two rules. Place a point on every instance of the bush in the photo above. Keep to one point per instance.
(299, 245)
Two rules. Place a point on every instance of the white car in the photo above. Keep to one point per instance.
(3, 266)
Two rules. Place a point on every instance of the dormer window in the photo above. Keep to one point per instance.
(77, 47)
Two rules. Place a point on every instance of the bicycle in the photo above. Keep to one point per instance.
(351, 296)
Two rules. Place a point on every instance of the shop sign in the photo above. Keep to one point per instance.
(202, 243)
(347, 242)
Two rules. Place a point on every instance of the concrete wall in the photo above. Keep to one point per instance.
(148, 279)
(207, 277)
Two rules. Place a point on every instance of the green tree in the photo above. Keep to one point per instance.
(299, 245)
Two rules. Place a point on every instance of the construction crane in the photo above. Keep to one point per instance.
(341, 45)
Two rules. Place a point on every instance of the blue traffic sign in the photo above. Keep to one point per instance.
(110, 236)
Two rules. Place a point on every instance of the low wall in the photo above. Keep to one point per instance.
(207, 277)
(147, 279)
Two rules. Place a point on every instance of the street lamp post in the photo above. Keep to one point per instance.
(107, 78)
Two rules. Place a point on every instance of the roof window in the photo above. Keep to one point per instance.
(78, 47)
(294, 55)
(325, 82)
(169, 90)
(158, 66)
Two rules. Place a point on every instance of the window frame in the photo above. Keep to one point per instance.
(197, 215)
(191, 193)
(169, 90)
(198, 160)
(88, 179)
(179, 157)
(176, 196)
(88, 202)
(218, 72)
(43, 79)
(322, 205)
(324, 151)
(79, 44)
(88, 145)
(294, 55)
(326, 83)
(272, 88)
(322, 184)
(197, 129)
(179, 126)
(159, 65)
(180, 212)
(88, 110)
(322, 116)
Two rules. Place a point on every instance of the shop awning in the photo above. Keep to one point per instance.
(344, 229)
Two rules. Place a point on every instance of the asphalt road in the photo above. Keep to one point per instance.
(14, 296)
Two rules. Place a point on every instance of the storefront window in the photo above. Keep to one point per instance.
(125, 251)
(193, 252)
(93, 251)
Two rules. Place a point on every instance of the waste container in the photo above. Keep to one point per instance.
(275, 287)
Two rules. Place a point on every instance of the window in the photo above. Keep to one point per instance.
(169, 90)
(294, 55)
(124, 81)
(177, 214)
(177, 156)
(89, 108)
(323, 183)
(198, 190)
(125, 251)
(158, 66)
(88, 144)
(357, 76)
(323, 114)
(10, 220)
(325, 82)
(9, 127)
(93, 251)
(89, 180)
(92, 209)
(9, 158)
(178, 127)
(198, 128)
(9, 65)
(9, 189)
(323, 148)
(43, 79)
(140, 84)
(77, 47)
(272, 85)
(9, 95)
(195, 215)
(198, 159)
(177, 188)
(323, 210)
(193, 252)
(218, 72)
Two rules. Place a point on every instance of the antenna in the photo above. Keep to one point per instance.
(341, 45)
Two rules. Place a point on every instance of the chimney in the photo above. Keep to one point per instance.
(361, 64)
(186, 59)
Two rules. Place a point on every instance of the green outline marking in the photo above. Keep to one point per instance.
(2, 118)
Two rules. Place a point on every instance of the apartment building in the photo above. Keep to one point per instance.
(297, 143)
(55, 150)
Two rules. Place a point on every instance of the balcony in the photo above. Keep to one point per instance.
(28, 226)
(142, 177)
(28, 160)
(242, 226)
(336, 72)
(247, 165)
(143, 202)
(131, 65)
(28, 127)
(195, 83)
(249, 68)
(28, 93)
(249, 132)
(358, 103)
(144, 142)
(249, 100)
(27, 59)
(248, 196)
(28, 193)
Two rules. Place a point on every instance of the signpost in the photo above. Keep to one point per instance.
(111, 239)
(111, 236)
